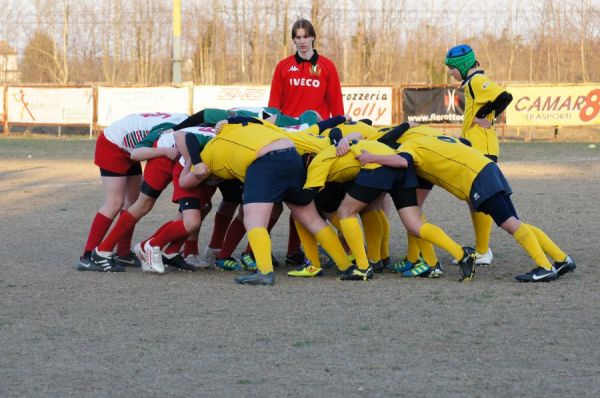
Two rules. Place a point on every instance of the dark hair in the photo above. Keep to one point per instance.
(306, 25)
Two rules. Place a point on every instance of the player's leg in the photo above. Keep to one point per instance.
(406, 204)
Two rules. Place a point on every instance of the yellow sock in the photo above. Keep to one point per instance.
(331, 243)
(427, 252)
(412, 248)
(260, 242)
(435, 235)
(385, 236)
(373, 232)
(548, 246)
(309, 244)
(354, 238)
(526, 238)
(335, 220)
(482, 224)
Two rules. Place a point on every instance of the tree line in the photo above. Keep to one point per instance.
(240, 41)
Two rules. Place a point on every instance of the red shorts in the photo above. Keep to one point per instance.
(158, 172)
(109, 156)
(202, 192)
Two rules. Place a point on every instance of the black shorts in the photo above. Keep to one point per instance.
(277, 176)
(499, 207)
(328, 200)
(231, 190)
(134, 170)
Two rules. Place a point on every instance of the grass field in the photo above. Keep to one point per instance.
(65, 333)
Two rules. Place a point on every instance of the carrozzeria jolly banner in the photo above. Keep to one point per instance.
(444, 105)
(554, 105)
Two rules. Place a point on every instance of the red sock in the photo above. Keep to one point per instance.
(190, 247)
(175, 247)
(171, 233)
(221, 224)
(234, 235)
(293, 238)
(124, 244)
(123, 228)
(100, 225)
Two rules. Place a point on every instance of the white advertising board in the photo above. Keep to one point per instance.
(227, 97)
(373, 103)
(117, 102)
(61, 106)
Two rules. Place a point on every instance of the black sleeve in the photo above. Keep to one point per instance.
(330, 123)
(497, 106)
(193, 147)
(195, 120)
(244, 120)
(408, 158)
(391, 137)
(335, 136)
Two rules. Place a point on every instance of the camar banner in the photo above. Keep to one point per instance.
(554, 105)
(444, 105)
(374, 103)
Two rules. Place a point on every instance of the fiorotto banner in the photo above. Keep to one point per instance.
(554, 105)
(373, 103)
(227, 97)
(50, 105)
(433, 105)
(117, 102)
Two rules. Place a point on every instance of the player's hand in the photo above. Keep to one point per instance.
(364, 157)
(484, 123)
(219, 126)
(412, 124)
(201, 171)
(342, 147)
(348, 118)
(172, 153)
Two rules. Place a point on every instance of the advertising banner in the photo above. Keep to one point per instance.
(444, 105)
(554, 105)
(2, 115)
(117, 102)
(63, 106)
(227, 97)
(375, 103)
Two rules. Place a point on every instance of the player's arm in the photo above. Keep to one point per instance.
(145, 153)
(400, 161)
(334, 93)
(497, 106)
(391, 137)
(189, 179)
(276, 93)
(343, 143)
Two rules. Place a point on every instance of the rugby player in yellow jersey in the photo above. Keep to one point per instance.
(472, 177)
(272, 171)
(371, 181)
(484, 100)
(420, 259)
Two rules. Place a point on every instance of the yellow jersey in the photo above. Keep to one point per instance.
(233, 150)
(479, 90)
(327, 167)
(446, 162)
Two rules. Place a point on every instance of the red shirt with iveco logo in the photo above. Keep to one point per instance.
(299, 85)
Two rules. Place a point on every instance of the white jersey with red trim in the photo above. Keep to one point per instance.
(127, 132)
